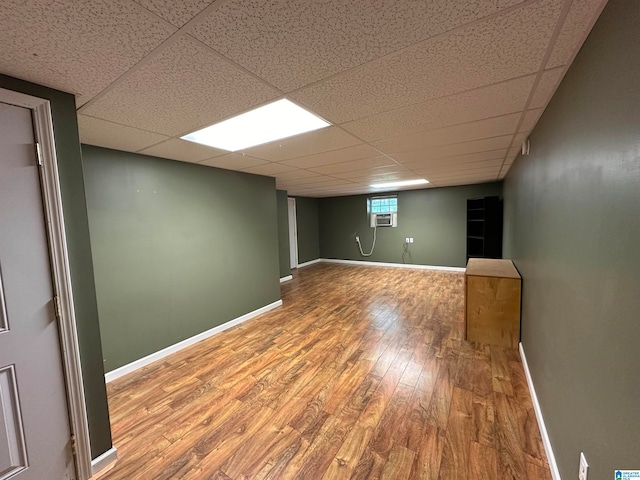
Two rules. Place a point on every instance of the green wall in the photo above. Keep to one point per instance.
(79, 247)
(572, 212)
(283, 233)
(434, 217)
(308, 229)
(178, 249)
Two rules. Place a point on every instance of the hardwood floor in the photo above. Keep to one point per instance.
(363, 374)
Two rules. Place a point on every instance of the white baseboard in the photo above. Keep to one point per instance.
(395, 265)
(144, 361)
(310, 262)
(286, 279)
(555, 473)
(104, 461)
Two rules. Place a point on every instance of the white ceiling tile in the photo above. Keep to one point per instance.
(458, 167)
(519, 139)
(177, 13)
(456, 172)
(323, 140)
(493, 127)
(269, 169)
(470, 158)
(577, 25)
(530, 119)
(513, 153)
(297, 175)
(334, 156)
(101, 133)
(475, 146)
(365, 163)
(291, 43)
(183, 88)
(546, 87)
(77, 46)
(492, 101)
(178, 149)
(234, 161)
(487, 52)
(353, 174)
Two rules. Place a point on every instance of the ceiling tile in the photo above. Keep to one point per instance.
(334, 156)
(233, 161)
(470, 158)
(467, 181)
(354, 165)
(269, 169)
(546, 87)
(513, 154)
(101, 133)
(178, 149)
(487, 52)
(455, 172)
(196, 88)
(352, 174)
(530, 119)
(77, 46)
(519, 139)
(492, 101)
(577, 25)
(291, 43)
(493, 127)
(177, 13)
(323, 140)
(475, 146)
(297, 175)
(457, 167)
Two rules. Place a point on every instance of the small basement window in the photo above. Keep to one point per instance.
(387, 204)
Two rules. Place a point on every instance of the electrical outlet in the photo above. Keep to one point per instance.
(584, 467)
(406, 240)
(357, 238)
(410, 239)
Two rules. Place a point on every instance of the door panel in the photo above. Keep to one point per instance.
(31, 378)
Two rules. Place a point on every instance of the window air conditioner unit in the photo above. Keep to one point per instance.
(384, 219)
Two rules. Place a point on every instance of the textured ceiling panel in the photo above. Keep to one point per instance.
(234, 161)
(177, 13)
(270, 169)
(334, 156)
(493, 127)
(291, 43)
(455, 149)
(390, 169)
(512, 154)
(355, 165)
(196, 86)
(576, 27)
(546, 87)
(77, 46)
(458, 159)
(530, 119)
(457, 167)
(178, 149)
(297, 175)
(326, 139)
(490, 51)
(101, 133)
(492, 101)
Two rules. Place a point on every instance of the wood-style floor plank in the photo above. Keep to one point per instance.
(362, 374)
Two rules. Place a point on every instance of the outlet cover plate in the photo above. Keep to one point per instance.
(584, 467)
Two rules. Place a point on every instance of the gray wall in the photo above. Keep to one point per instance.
(77, 233)
(283, 233)
(178, 249)
(573, 229)
(308, 229)
(436, 218)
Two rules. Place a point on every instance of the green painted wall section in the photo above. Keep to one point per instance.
(572, 211)
(436, 218)
(308, 229)
(283, 233)
(178, 249)
(77, 232)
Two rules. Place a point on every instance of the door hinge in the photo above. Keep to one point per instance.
(56, 307)
(38, 154)
(74, 448)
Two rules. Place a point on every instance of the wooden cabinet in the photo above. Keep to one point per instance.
(492, 302)
(484, 228)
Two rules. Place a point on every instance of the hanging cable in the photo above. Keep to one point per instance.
(373, 245)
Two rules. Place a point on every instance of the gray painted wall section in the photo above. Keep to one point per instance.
(77, 232)
(308, 229)
(283, 233)
(178, 249)
(572, 211)
(436, 218)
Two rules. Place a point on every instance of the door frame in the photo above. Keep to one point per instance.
(293, 232)
(61, 274)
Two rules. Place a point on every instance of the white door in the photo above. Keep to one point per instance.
(34, 423)
(293, 233)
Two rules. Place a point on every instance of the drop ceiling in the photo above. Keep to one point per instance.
(444, 90)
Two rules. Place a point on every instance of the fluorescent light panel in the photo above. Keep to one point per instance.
(268, 123)
(404, 183)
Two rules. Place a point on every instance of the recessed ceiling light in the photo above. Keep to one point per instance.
(270, 122)
(404, 183)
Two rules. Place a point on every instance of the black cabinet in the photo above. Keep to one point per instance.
(484, 227)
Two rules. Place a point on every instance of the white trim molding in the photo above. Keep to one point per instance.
(394, 265)
(61, 272)
(310, 262)
(176, 347)
(555, 473)
(100, 464)
(286, 279)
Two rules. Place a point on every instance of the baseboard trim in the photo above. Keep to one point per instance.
(286, 279)
(555, 473)
(310, 262)
(394, 265)
(144, 361)
(99, 465)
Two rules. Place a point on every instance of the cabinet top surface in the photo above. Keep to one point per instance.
(488, 267)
